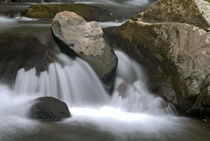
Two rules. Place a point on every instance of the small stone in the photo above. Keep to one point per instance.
(49, 109)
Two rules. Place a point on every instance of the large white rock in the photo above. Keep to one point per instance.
(85, 39)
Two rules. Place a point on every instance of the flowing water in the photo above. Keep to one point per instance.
(132, 113)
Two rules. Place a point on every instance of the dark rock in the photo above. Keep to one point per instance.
(49, 109)
(21, 51)
(85, 39)
(88, 12)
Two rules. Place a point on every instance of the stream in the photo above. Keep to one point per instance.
(132, 113)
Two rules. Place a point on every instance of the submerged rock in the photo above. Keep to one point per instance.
(88, 12)
(20, 51)
(176, 49)
(85, 39)
(49, 109)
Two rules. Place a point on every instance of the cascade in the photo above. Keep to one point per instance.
(73, 82)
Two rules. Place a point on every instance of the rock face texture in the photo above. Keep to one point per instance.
(194, 12)
(49, 109)
(88, 12)
(177, 46)
(18, 51)
(85, 39)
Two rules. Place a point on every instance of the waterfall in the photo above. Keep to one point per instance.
(114, 2)
(74, 82)
(130, 113)
(131, 92)
(133, 113)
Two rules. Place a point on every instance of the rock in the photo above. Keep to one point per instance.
(48, 11)
(125, 89)
(21, 51)
(85, 39)
(49, 109)
(194, 12)
(178, 52)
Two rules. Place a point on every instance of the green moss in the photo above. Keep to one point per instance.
(48, 11)
(207, 0)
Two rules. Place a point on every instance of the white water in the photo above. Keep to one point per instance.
(75, 83)
(5, 20)
(13, 112)
(9, 23)
(122, 3)
(25, 19)
(110, 24)
(131, 92)
(137, 2)
(20, 21)
(132, 112)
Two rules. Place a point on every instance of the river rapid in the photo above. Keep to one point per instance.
(132, 113)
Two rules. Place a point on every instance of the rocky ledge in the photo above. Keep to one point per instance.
(172, 39)
(20, 51)
(88, 12)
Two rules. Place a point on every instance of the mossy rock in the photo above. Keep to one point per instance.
(195, 12)
(48, 11)
(174, 36)
(181, 50)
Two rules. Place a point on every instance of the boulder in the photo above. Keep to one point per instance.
(194, 12)
(49, 109)
(85, 39)
(20, 51)
(48, 11)
(178, 52)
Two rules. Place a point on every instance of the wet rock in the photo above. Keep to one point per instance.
(85, 39)
(175, 50)
(21, 51)
(49, 109)
(125, 89)
(88, 12)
